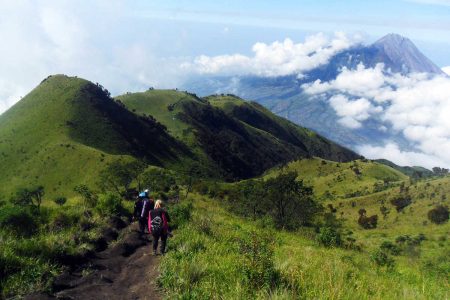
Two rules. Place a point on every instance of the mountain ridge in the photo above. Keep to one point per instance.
(68, 126)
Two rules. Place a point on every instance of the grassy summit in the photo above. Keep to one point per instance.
(66, 130)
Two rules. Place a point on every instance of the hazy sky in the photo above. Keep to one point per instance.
(131, 45)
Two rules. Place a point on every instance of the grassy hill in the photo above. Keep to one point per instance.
(66, 130)
(239, 138)
(415, 172)
(333, 180)
(231, 257)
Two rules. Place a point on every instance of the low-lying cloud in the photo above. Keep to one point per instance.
(446, 70)
(417, 106)
(275, 59)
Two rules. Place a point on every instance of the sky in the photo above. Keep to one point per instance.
(132, 45)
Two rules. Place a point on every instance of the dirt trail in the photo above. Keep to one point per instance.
(125, 270)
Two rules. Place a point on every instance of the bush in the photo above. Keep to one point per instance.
(439, 214)
(180, 214)
(382, 259)
(367, 222)
(257, 251)
(18, 219)
(329, 237)
(401, 202)
(60, 201)
(109, 204)
(390, 248)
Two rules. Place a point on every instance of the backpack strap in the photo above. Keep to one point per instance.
(144, 206)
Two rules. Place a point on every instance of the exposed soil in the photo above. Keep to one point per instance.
(125, 270)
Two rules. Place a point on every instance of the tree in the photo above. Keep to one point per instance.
(158, 180)
(439, 214)
(292, 202)
(401, 202)
(254, 197)
(365, 221)
(29, 196)
(440, 171)
(37, 195)
(22, 197)
(118, 176)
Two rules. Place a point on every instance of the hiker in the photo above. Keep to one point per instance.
(141, 208)
(158, 226)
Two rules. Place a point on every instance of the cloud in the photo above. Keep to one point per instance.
(446, 70)
(416, 106)
(94, 40)
(352, 112)
(275, 59)
(392, 152)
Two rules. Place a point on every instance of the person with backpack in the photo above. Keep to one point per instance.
(158, 226)
(141, 209)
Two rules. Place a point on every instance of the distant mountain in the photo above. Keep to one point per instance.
(67, 129)
(285, 97)
(405, 55)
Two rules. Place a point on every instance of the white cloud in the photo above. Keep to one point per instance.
(275, 59)
(446, 70)
(416, 105)
(392, 152)
(353, 112)
(77, 38)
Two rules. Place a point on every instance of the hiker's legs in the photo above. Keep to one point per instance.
(155, 241)
(163, 243)
(142, 224)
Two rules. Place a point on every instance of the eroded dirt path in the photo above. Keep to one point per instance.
(125, 270)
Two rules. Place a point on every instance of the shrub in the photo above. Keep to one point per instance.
(257, 251)
(89, 198)
(60, 201)
(109, 204)
(401, 202)
(180, 214)
(18, 219)
(367, 222)
(329, 237)
(382, 259)
(439, 214)
(390, 248)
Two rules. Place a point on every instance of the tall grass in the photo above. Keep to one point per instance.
(218, 255)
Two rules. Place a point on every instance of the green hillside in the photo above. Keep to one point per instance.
(66, 130)
(332, 180)
(415, 172)
(241, 144)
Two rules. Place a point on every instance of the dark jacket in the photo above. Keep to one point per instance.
(159, 212)
(138, 207)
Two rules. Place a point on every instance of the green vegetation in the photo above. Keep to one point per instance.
(36, 245)
(222, 256)
(309, 219)
(67, 130)
(332, 180)
(231, 144)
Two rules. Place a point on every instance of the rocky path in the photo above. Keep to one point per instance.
(125, 270)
